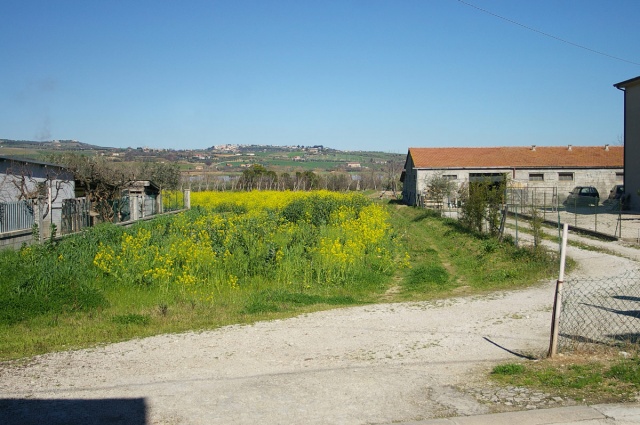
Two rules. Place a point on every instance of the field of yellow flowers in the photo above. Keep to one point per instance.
(231, 240)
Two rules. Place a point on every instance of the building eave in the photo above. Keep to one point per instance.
(630, 82)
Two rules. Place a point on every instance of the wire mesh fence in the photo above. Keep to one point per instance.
(606, 218)
(172, 200)
(600, 311)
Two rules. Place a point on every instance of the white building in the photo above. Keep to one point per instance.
(25, 180)
(631, 90)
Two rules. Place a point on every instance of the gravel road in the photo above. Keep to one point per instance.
(361, 365)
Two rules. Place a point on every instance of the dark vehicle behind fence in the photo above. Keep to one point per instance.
(615, 194)
(582, 196)
(617, 199)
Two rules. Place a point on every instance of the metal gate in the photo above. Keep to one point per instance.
(75, 215)
(16, 215)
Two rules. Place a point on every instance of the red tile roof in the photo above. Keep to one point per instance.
(519, 157)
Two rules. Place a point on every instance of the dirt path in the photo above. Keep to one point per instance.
(364, 365)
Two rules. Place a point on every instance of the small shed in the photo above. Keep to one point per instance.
(145, 198)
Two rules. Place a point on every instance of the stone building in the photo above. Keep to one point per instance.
(559, 168)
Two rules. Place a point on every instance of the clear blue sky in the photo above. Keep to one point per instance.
(362, 75)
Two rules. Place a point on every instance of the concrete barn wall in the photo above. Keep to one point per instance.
(602, 179)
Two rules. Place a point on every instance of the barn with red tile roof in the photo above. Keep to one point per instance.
(531, 166)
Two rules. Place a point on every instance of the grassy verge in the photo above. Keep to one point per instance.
(59, 296)
(604, 377)
(447, 259)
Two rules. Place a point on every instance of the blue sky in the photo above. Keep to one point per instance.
(354, 75)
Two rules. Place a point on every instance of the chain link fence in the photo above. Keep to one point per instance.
(602, 311)
(602, 218)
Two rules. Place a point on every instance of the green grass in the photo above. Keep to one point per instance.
(448, 259)
(53, 298)
(131, 319)
(602, 378)
(508, 369)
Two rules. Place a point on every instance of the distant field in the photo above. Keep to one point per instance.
(305, 165)
(21, 153)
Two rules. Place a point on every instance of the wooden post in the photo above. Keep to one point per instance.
(557, 302)
(40, 204)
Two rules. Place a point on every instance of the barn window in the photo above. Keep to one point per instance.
(565, 177)
(536, 177)
(449, 176)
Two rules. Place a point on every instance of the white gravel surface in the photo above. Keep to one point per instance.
(361, 365)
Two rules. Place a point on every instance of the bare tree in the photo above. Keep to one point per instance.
(25, 180)
(392, 171)
(101, 181)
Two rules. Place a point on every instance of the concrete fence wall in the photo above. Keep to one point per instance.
(15, 239)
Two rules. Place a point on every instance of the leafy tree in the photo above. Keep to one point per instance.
(536, 228)
(285, 182)
(473, 207)
(165, 175)
(439, 188)
(482, 202)
(251, 176)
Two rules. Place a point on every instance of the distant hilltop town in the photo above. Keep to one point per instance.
(218, 158)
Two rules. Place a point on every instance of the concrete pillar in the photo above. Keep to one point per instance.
(134, 207)
(187, 199)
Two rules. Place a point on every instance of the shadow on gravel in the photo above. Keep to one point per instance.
(630, 313)
(515, 353)
(131, 411)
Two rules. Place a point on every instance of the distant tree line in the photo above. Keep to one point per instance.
(257, 177)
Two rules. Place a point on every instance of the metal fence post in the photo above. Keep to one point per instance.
(559, 231)
(557, 303)
(620, 222)
(516, 213)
